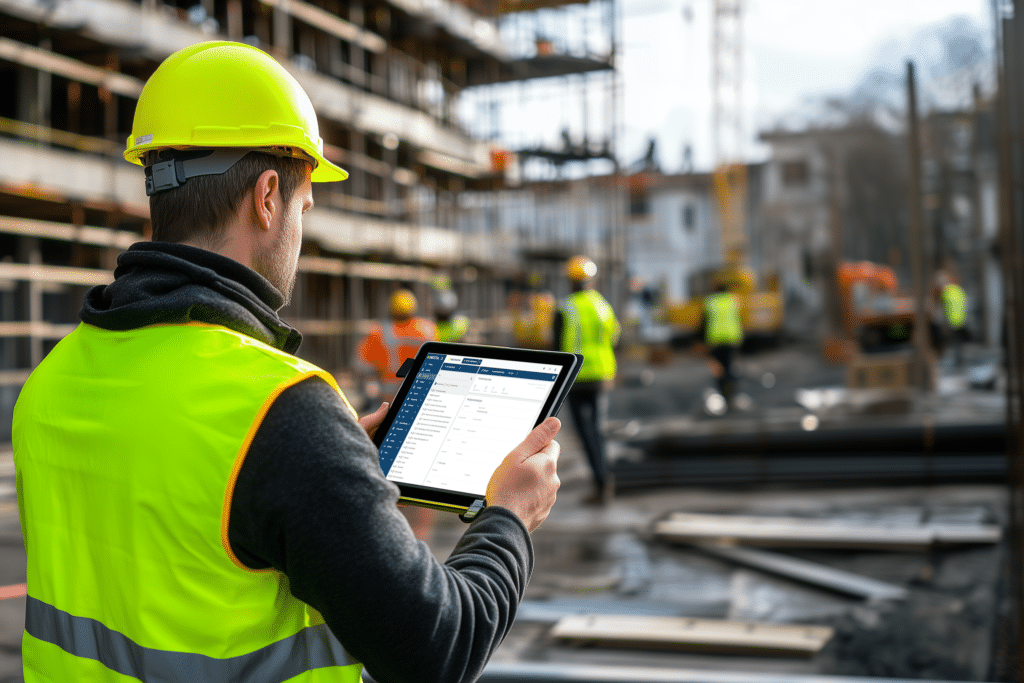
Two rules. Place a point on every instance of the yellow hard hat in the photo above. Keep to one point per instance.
(222, 94)
(403, 303)
(580, 269)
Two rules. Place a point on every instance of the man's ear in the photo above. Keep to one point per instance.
(267, 199)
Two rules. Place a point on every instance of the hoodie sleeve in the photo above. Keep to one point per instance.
(311, 501)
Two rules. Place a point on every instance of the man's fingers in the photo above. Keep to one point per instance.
(536, 440)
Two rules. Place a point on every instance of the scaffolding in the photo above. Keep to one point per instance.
(386, 78)
(560, 123)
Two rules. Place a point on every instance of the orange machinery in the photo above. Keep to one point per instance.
(874, 311)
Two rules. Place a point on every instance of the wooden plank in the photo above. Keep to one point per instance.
(35, 329)
(63, 274)
(808, 572)
(83, 143)
(950, 534)
(314, 328)
(684, 633)
(753, 530)
(51, 62)
(84, 234)
(364, 269)
(10, 378)
(785, 532)
(331, 23)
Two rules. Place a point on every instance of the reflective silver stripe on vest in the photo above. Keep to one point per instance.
(314, 647)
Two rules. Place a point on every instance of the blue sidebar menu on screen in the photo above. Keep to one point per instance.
(461, 417)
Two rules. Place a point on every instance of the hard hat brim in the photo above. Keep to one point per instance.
(326, 172)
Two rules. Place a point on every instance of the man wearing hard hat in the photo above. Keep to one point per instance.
(199, 504)
(586, 324)
(722, 331)
(452, 327)
(391, 342)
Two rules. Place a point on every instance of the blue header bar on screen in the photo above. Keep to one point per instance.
(499, 372)
(455, 367)
(520, 374)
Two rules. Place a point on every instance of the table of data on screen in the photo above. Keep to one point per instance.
(461, 417)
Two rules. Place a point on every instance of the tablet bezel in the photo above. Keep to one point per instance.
(453, 501)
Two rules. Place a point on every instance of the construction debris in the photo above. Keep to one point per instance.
(702, 635)
(810, 533)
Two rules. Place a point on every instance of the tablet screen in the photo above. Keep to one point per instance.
(461, 417)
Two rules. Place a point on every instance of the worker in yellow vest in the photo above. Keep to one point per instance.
(198, 503)
(587, 324)
(723, 335)
(954, 309)
(452, 327)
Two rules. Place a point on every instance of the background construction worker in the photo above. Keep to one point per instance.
(380, 354)
(451, 326)
(722, 332)
(954, 314)
(199, 503)
(586, 324)
(390, 342)
(533, 329)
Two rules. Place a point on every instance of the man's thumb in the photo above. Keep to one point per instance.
(541, 435)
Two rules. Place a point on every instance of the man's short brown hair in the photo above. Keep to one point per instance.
(199, 209)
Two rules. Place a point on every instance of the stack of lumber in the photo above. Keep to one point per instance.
(700, 635)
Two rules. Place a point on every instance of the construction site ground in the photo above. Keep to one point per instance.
(607, 560)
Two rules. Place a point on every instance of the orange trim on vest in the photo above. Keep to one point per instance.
(244, 451)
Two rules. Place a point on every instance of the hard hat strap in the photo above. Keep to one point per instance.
(173, 172)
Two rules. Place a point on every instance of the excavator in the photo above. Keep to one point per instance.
(876, 314)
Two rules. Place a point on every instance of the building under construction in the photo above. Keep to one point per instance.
(385, 77)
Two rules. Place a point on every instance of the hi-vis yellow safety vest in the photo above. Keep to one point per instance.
(954, 302)
(589, 327)
(722, 327)
(452, 330)
(127, 445)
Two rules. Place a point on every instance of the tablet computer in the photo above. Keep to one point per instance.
(461, 409)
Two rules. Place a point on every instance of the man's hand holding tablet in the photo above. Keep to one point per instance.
(526, 481)
(473, 426)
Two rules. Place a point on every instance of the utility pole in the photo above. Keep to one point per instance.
(977, 218)
(919, 245)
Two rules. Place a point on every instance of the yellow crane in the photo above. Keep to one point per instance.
(760, 308)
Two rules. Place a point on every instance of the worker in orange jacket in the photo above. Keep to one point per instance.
(390, 343)
(380, 355)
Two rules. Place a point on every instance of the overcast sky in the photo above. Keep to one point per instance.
(793, 49)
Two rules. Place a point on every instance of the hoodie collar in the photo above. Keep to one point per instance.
(168, 283)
